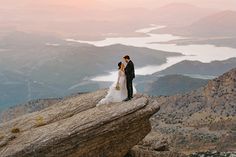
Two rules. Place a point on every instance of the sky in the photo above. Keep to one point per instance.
(219, 4)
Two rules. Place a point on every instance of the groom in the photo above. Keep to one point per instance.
(130, 75)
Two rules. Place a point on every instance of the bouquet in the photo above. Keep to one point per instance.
(117, 87)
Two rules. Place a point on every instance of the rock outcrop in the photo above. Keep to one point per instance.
(75, 127)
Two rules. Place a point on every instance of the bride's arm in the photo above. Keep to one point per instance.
(118, 80)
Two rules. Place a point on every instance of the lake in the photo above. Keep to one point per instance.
(203, 53)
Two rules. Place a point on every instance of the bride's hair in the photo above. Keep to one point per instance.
(119, 65)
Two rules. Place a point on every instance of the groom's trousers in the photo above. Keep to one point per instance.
(129, 85)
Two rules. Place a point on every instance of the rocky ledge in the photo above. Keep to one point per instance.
(76, 127)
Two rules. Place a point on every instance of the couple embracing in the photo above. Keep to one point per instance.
(122, 89)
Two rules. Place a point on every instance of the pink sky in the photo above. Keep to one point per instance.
(220, 4)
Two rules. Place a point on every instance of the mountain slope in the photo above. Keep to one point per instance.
(174, 84)
(198, 121)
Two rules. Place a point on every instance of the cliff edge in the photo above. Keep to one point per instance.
(76, 127)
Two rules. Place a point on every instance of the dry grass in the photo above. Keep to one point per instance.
(15, 130)
(40, 121)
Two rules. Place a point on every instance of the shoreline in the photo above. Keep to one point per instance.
(167, 43)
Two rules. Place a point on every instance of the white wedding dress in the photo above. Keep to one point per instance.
(115, 95)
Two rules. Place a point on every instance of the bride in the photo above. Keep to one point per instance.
(118, 90)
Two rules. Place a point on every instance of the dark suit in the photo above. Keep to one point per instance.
(130, 75)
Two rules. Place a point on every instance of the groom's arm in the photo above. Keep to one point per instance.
(132, 70)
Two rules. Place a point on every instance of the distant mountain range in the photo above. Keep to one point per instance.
(180, 14)
(217, 29)
(220, 24)
(92, 20)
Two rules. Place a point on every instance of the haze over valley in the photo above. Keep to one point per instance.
(55, 48)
